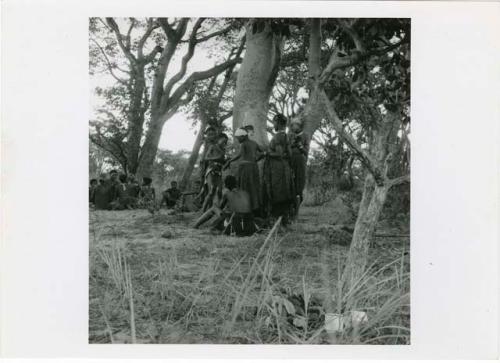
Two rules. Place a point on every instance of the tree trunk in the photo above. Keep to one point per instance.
(192, 158)
(136, 122)
(256, 78)
(150, 148)
(313, 110)
(369, 212)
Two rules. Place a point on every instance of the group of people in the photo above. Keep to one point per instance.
(119, 192)
(249, 192)
(239, 194)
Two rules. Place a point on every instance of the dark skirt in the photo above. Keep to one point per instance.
(278, 183)
(249, 181)
(298, 163)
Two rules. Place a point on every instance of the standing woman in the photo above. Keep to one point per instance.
(298, 161)
(248, 178)
(278, 183)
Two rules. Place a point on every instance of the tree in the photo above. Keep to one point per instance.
(146, 86)
(212, 107)
(377, 99)
(257, 75)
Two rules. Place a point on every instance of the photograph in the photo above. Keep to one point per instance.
(249, 181)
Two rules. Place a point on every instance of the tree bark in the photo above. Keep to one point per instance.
(256, 78)
(150, 148)
(374, 197)
(136, 121)
(193, 157)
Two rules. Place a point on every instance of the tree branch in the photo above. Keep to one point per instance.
(396, 181)
(349, 29)
(108, 63)
(185, 60)
(127, 38)
(337, 62)
(199, 76)
(215, 34)
(126, 51)
(365, 158)
(144, 38)
(173, 37)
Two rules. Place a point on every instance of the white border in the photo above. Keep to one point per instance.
(455, 114)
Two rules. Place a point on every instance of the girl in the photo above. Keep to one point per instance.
(298, 160)
(278, 183)
(248, 171)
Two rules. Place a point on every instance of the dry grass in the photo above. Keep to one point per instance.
(272, 288)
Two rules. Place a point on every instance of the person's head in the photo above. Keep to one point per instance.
(279, 122)
(230, 182)
(113, 174)
(241, 135)
(296, 125)
(210, 133)
(250, 130)
(102, 181)
(146, 181)
(93, 182)
(123, 178)
(222, 140)
(173, 184)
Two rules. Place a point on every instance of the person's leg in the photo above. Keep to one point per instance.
(237, 224)
(248, 224)
(204, 217)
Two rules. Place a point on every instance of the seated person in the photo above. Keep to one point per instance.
(101, 195)
(235, 208)
(171, 196)
(123, 200)
(147, 194)
(92, 188)
(133, 189)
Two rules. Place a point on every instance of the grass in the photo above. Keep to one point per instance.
(273, 288)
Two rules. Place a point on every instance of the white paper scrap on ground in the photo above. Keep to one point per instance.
(338, 322)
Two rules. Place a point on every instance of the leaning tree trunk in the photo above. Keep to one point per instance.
(372, 201)
(256, 78)
(193, 157)
(369, 212)
(150, 147)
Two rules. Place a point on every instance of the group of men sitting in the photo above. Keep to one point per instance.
(119, 192)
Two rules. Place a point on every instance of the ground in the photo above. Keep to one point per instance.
(154, 279)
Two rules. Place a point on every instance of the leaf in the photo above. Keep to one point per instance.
(300, 322)
(290, 309)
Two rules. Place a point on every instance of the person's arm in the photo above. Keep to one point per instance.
(223, 202)
(260, 152)
(277, 152)
(234, 158)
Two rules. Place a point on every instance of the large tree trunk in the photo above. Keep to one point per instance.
(256, 79)
(192, 158)
(150, 148)
(136, 122)
(313, 111)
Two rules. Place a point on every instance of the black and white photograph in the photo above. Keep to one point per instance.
(236, 179)
(249, 180)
